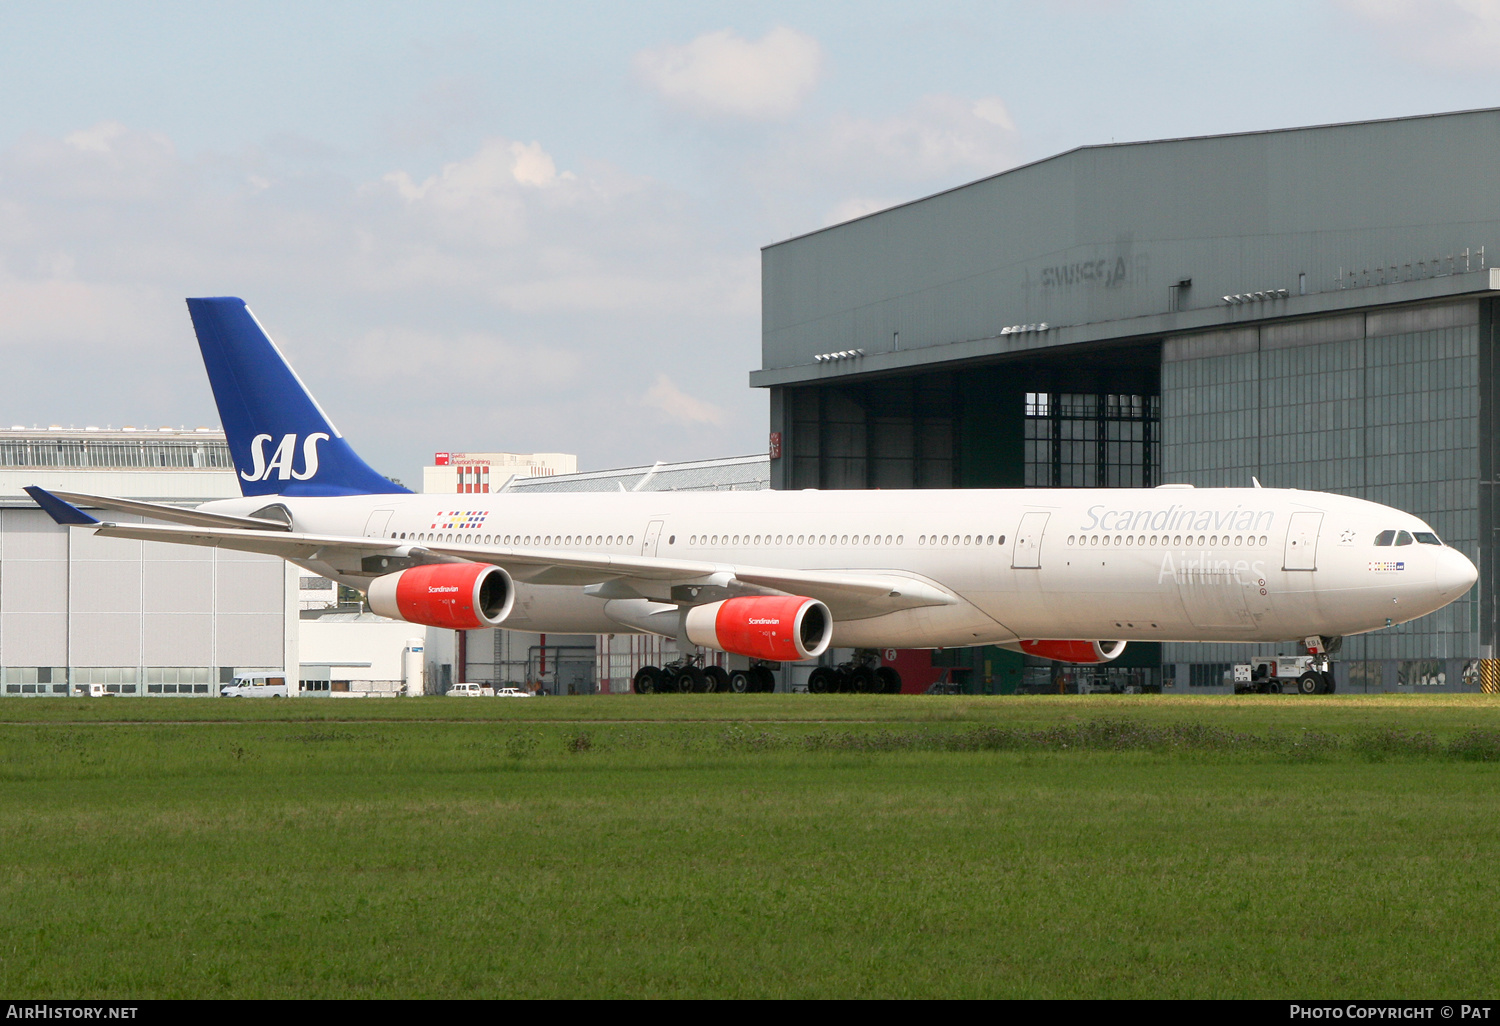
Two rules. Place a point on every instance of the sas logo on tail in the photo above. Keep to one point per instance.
(281, 459)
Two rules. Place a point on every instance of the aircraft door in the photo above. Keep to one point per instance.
(1302, 542)
(375, 526)
(653, 534)
(1027, 554)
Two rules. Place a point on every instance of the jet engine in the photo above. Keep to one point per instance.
(777, 627)
(458, 596)
(1075, 651)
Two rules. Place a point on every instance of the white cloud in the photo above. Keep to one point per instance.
(857, 206)
(939, 135)
(482, 361)
(98, 138)
(993, 110)
(54, 309)
(678, 406)
(720, 73)
(534, 165)
(497, 301)
(1452, 35)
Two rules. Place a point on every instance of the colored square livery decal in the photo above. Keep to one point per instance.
(460, 520)
(1388, 565)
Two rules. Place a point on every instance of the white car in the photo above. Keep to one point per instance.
(512, 693)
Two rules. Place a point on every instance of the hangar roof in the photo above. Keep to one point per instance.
(1138, 240)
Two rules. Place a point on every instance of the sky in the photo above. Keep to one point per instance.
(536, 227)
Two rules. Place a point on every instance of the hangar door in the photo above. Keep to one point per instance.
(1302, 542)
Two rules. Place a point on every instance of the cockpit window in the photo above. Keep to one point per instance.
(1427, 538)
(1403, 538)
(1385, 538)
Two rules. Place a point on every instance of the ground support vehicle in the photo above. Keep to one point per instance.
(257, 685)
(1310, 674)
(471, 691)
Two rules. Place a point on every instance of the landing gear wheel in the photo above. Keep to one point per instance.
(690, 679)
(843, 685)
(718, 678)
(764, 680)
(822, 681)
(888, 681)
(862, 680)
(1310, 684)
(1328, 683)
(648, 680)
(741, 682)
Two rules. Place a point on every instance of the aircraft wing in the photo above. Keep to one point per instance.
(849, 594)
(171, 514)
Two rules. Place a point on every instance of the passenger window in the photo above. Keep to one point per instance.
(1385, 538)
(1427, 538)
(1402, 538)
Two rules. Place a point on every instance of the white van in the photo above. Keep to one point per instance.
(256, 685)
(470, 691)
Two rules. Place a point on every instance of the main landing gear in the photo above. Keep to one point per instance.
(687, 676)
(862, 675)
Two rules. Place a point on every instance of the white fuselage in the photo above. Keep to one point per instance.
(1165, 564)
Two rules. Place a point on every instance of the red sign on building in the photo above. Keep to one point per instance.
(775, 445)
(440, 459)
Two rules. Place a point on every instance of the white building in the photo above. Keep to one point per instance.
(156, 464)
(361, 654)
(470, 473)
(141, 618)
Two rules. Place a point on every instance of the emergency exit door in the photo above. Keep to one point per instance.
(1302, 542)
(653, 533)
(1027, 554)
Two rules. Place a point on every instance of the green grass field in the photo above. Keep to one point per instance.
(1108, 846)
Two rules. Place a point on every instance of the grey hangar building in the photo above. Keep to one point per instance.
(1311, 308)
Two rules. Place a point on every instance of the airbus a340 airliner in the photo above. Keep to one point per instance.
(1065, 574)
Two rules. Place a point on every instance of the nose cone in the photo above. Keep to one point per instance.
(1454, 574)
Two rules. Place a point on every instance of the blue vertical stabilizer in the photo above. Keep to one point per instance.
(281, 440)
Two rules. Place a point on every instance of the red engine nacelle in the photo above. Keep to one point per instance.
(459, 596)
(783, 628)
(1075, 651)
